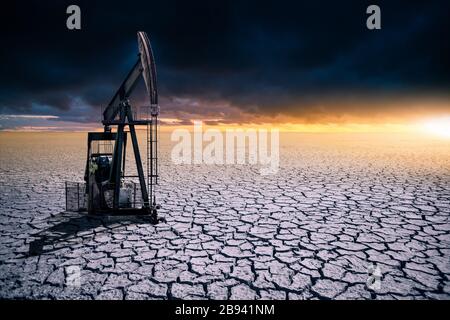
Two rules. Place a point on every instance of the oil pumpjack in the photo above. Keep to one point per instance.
(106, 191)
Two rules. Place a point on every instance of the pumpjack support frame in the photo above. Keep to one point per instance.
(119, 113)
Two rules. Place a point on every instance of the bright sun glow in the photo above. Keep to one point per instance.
(438, 126)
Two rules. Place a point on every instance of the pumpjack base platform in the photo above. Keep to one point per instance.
(151, 214)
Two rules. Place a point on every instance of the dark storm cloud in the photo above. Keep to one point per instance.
(263, 57)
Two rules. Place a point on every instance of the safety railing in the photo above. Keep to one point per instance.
(130, 196)
(76, 197)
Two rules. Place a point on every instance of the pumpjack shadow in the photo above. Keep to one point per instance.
(72, 224)
(107, 190)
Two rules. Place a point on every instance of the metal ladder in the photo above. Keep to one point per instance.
(152, 156)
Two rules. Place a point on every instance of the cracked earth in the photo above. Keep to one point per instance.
(338, 205)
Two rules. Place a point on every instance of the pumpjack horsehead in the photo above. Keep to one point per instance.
(106, 187)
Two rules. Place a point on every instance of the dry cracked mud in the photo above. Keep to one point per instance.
(337, 206)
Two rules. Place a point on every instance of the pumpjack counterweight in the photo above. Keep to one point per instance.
(106, 187)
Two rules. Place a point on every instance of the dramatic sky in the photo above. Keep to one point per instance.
(228, 61)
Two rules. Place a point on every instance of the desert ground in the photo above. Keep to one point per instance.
(339, 206)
